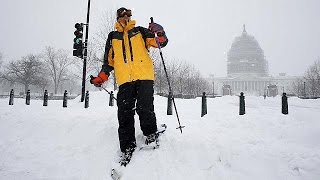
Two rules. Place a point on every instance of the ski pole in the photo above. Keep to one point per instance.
(165, 70)
(91, 77)
(108, 92)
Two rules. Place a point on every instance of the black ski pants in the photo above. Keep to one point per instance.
(135, 96)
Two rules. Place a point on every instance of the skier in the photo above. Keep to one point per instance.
(126, 52)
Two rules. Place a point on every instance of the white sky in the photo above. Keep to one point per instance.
(200, 32)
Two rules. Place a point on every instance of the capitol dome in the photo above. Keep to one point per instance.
(246, 57)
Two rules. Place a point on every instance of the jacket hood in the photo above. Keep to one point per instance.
(122, 28)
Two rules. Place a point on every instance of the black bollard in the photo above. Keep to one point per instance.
(45, 98)
(11, 97)
(169, 107)
(242, 110)
(86, 100)
(111, 101)
(204, 105)
(28, 98)
(284, 103)
(65, 99)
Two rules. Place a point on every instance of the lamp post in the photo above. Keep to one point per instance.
(81, 49)
(85, 56)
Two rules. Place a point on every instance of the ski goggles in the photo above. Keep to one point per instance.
(124, 12)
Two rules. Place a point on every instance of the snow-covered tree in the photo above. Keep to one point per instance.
(56, 63)
(312, 79)
(27, 71)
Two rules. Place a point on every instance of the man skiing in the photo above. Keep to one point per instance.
(126, 53)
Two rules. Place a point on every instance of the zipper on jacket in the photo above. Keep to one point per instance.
(130, 48)
(124, 52)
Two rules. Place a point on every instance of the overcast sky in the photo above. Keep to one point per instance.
(200, 31)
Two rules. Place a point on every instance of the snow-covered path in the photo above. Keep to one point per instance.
(52, 142)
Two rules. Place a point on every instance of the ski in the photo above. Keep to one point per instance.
(116, 173)
(161, 130)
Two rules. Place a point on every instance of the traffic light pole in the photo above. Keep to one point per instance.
(84, 72)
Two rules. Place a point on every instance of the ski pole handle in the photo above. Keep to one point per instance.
(91, 78)
(156, 36)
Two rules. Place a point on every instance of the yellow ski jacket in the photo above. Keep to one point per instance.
(126, 53)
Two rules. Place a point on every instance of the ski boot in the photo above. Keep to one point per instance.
(126, 156)
(151, 142)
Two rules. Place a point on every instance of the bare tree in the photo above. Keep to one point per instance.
(1, 60)
(57, 63)
(183, 77)
(183, 73)
(160, 83)
(1, 74)
(27, 71)
(312, 79)
(173, 67)
(107, 22)
(296, 87)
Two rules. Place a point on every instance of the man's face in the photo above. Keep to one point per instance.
(124, 16)
(125, 19)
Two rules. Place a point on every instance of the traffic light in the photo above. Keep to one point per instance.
(77, 41)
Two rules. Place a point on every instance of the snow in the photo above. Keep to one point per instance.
(75, 143)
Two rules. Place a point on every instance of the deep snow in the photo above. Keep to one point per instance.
(74, 143)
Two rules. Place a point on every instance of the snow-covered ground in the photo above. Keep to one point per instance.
(75, 143)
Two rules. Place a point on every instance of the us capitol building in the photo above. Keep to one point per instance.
(248, 72)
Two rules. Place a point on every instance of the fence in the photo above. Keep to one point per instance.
(204, 106)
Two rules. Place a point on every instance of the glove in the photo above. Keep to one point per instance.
(98, 81)
(155, 28)
(158, 29)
